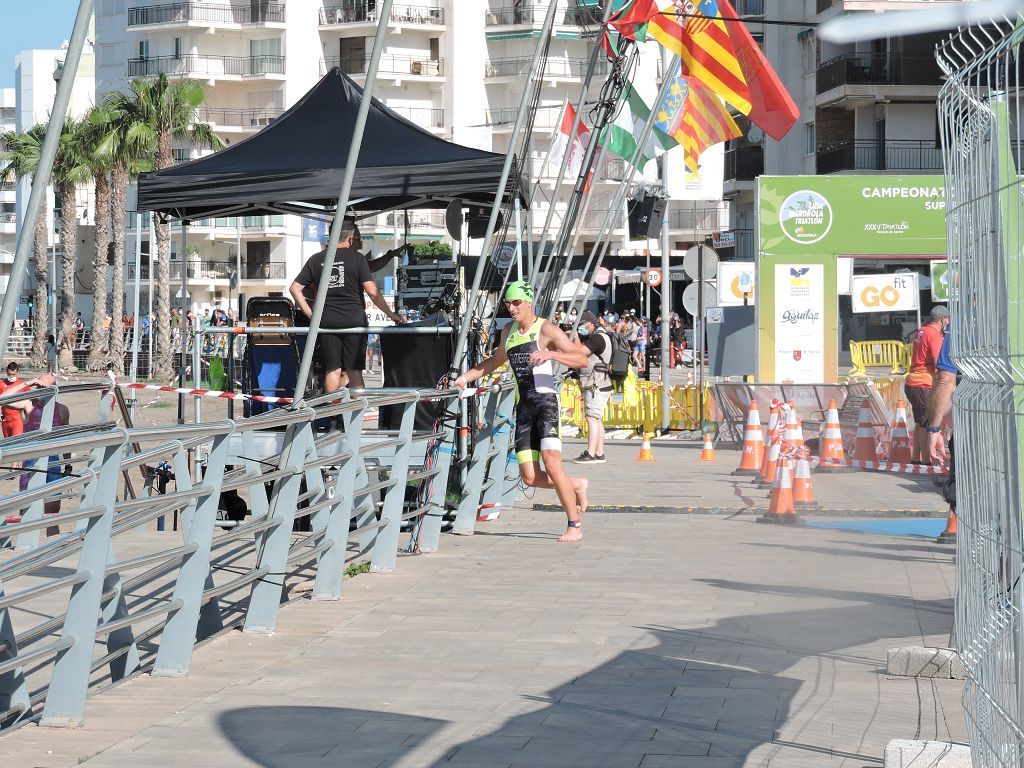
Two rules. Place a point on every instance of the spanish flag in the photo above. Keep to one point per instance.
(694, 117)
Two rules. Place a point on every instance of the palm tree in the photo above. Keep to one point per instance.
(70, 169)
(154, 113)
(95, 128)
(19, 158)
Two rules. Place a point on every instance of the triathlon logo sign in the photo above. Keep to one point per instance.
(805, 217)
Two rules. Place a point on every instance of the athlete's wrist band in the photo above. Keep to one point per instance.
(933, 430)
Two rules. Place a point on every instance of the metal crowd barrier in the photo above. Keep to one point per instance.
(108, 596)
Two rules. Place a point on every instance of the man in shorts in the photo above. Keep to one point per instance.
(596, 384)
(531, 346)
(918, 384)
(343, 355)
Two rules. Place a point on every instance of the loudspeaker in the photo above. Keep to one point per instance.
(645, 217)
(478, 224)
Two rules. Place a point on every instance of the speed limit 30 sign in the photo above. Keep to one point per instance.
(652, 277)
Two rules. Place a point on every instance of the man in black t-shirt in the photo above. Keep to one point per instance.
(343, 355)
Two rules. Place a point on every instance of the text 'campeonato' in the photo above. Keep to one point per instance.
(930, 192)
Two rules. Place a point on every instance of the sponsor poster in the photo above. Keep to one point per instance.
(706, 184)
(314, 231)
(799, 323)
(940, 280)
(735, 278)
(885, 293)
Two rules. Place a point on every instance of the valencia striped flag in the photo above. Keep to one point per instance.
(694, 117)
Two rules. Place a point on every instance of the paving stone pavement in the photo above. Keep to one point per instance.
(661, 640)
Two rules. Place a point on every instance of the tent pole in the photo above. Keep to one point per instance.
(343, 198)
(591, 68)
(519, 239)
(524, 103)
(666, 291)
(137, 327)
(149, 297)
(620, 193)
(41, 178)
(183, 317)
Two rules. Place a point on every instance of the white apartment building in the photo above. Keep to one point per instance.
(864, 108)
(455, 67)
(8, 193)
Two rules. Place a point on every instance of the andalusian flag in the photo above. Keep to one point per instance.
(620, 137)
(694, 117)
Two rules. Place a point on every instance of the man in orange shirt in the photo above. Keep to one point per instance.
(11, 417)
(918, 385)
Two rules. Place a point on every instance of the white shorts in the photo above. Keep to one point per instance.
(595, 401)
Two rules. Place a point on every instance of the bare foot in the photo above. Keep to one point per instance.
(572, 534)
(580, 486)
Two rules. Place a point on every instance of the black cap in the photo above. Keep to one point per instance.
(588, 317)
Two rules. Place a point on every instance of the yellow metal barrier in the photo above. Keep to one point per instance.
(646, 415)
(887, 353)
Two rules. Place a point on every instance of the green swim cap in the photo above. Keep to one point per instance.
(521, 290)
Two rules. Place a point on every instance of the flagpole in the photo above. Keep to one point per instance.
(587, 80)
(602, 242)
(666, 287)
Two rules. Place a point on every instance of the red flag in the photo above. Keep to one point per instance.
(771, 107)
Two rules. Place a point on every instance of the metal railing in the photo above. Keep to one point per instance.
(392, 64)
(428, 117)
(8, 218)
(877, 69)
(711, 219)
(532, 14)
(218, 270)
(205, 65)
(238, 118)
(520, 66)
(209, 13)
(981, 109)
(8, 186)
(890, 155)
(361, 13)
(743, 163)
(151, 560)
(544, 117)
(749, 7)
(824, 5)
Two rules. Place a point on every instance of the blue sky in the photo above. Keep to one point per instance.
(32, 24)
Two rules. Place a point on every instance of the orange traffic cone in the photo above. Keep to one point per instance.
(792, 426)
(707, 454)
(689, 378)
(780, 508)
(832, 437)
(773, 422)
(645, 449)
(803, 492)
(900, 447)
(864, 447)
(753, 443)
(799, 442)
(948, 536)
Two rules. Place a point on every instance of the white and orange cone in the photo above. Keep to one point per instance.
(646, 454)
(781, 505)
(864, 447)
(792, 426)
(753, 443)
(707, 454)
(900, 446)
(803, 492)
(832, 437)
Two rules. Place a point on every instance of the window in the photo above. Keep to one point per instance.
(435, 49)
(809, 147)
(143, 49)
(352, 54)
(177, 48)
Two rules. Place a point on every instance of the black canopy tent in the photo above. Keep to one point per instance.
(296, 164)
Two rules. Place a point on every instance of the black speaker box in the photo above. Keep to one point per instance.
(645, 217)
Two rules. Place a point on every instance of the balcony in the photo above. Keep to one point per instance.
(750, 8)
(874, 69)
(390, 64)
(424, 117)
(366, 13)
(8, 218)
(893, 155)
(744, 163)
(705, 219)
(735, 244)
(505, 117)
(511, 16)
(218, 270)
(223, 119)
(824, 5)
(181, 155)
(8, 186)
(555, 68)
(207, 13)
(201, 65)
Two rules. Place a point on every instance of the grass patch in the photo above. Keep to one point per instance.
(356, 568)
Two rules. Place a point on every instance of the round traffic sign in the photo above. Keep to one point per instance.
(690, 297)
(652, 277)
(603, 276)
(692, 262)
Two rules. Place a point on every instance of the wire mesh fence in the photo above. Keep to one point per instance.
(980, 110)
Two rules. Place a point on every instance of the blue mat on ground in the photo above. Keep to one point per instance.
(925, 527)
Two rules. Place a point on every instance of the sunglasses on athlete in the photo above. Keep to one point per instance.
(513, 302)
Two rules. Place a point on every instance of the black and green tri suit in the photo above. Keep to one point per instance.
(537, 411)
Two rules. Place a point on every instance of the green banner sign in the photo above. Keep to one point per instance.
(940, 280)
(853, 215)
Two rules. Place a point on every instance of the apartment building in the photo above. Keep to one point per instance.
(867, 107)
(8, 193)
(455, 67)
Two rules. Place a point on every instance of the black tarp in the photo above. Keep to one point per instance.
(296, 164)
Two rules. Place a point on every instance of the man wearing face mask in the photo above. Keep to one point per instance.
(596, 385)
(13, 423)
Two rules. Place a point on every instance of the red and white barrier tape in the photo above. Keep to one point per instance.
(210, 393)
(886, 466)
